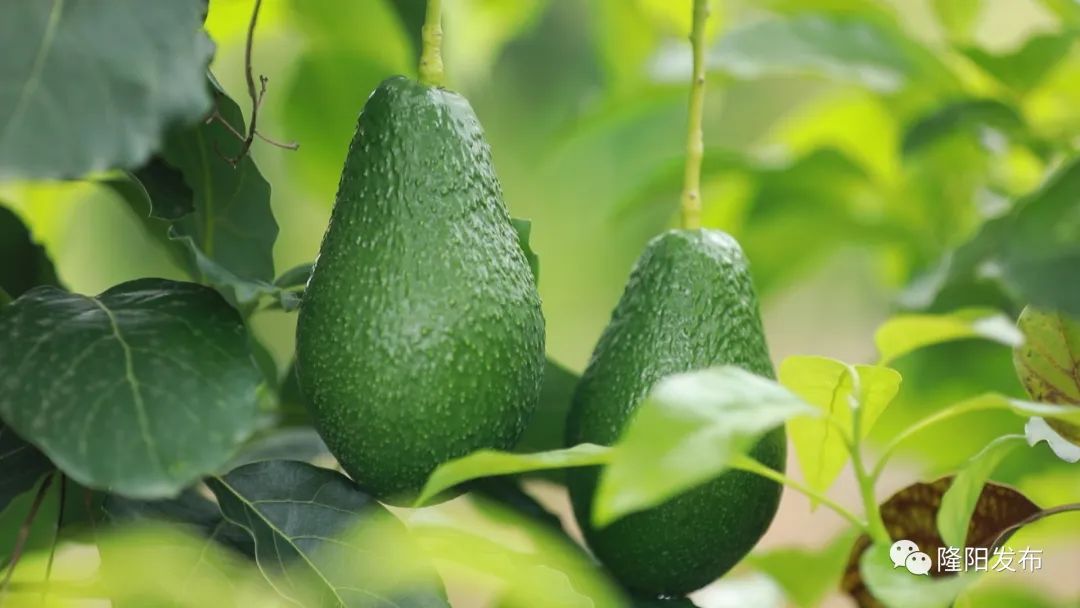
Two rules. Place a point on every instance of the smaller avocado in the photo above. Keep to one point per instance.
(689, 304)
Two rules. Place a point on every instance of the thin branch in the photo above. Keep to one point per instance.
(1005, 534)
(56, 537)
(256, 94)
(24, 530)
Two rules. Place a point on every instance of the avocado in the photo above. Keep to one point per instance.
(689, 304)
(420, 337)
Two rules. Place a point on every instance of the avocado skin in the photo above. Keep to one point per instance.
(420, 337)
(689, 304)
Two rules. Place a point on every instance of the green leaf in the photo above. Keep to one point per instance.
(297, 276)
(23, 263)
(1025, 68)
(307, 524)
(806, 575)
(903, 334)
(958, 16)
(21, 466)
(1048, 362)
(227, 230)
(141, 390)
(689, 430)
(547, 428)
(958, 503)
(898, 588)
(1033, 252)
(846, 50)
(190, 509)
(524, 229)
(294, 443)
(973, 116)
(491, 463)
(86, 87)
(821, 443)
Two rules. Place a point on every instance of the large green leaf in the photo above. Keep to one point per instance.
(806, 575)
(310, 525)
(970, 116)
(690, 429)
(220, 220)
(87, 86)
(23, 263)
(140, 390)
(904, 334)
(821, 443)
(1033, 251)
(21, 466)
(861, 52)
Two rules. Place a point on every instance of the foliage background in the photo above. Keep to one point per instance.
(822, 158)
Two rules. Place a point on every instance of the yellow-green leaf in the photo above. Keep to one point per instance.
(906, 333)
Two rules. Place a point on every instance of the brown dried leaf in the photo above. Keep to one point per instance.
(911, 514)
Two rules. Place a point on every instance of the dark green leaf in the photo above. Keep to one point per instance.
(226, 231)
(306, 523)
(546, 430)
(1023, 69)
(191, 509)
(140, 390)
(524, 228)
(87, 86)
(23, 263)
(169, 196)
(968, 116)
(296, 443)
(1033, 252)
(21, 466)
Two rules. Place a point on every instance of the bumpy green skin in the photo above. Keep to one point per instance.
(689, 304)
(420, 337)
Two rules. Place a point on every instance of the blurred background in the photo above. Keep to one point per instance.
(849, 145)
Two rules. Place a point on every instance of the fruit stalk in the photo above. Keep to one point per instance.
(431, 64)
(695, 139)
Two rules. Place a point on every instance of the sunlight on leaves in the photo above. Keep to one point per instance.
(689, 430)
(904, 334)
(821, 443)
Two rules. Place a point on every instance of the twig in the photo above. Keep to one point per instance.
(1005, 534)
(56, 537)
(24, 530)
(256, 95)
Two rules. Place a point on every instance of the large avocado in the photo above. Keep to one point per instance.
(420, 336)
(689, 304)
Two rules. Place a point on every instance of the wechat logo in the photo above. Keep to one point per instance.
(906, 553)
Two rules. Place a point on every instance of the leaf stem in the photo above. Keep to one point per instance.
(957, 409)
(877, 530)
(56, 537)
(695, 138)
(431, 63)
(24, 531)
(748, 464)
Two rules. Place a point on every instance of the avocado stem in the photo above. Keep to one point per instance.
(695, 140)
(431, 63)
